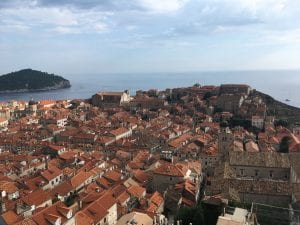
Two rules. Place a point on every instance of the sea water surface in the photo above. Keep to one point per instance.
(281, 85)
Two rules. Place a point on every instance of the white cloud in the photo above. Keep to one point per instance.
(61, 20)
(283, 37)
(162, 6)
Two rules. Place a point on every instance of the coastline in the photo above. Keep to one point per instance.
(35, 90)
(84, 86)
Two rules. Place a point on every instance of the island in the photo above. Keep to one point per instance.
(28, 80)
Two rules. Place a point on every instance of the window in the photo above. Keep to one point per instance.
(171, 178)
(104, 219)
(256, 173)
(241, 172)
(271, 174)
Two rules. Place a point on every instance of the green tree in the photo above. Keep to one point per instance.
(198, 218)
(284, 144)
(192, 215)
(239, 121)
(211, 213)
(185, 214)
(283, 123)
(207, 95)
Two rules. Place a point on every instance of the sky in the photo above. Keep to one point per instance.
(144, 36)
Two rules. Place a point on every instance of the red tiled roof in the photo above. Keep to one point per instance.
(36, 198)
(80, 178)
(83, 219)
(52, 213)
(10, 217)
(119, 131)
(157, 199)
(51, 173)
(169, 169)
(136, 191)
(113, 176)
(62, 189)
(123, 197)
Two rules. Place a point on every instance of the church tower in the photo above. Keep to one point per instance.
(225, 142)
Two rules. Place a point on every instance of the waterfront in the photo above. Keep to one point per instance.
(281, 85)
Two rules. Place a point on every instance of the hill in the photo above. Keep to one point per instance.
(279, 109)
(31, 80)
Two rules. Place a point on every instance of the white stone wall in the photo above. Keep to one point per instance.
(112, 215)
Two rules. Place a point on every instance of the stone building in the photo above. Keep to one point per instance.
(258, 121)
(226, 142)
(261, 166)
(235, 89)
(168, 174)
(230, 102)
(263, 177)
(110, 99)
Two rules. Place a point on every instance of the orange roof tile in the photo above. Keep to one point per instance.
(10, 217)
(157, 199)
(113, 176)
(36, 198)
(83, 219)
(119, 131)
(136, 191)
(80, 178)
(169, 169)
(57, 211)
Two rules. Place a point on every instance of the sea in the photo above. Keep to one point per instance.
(281, 84)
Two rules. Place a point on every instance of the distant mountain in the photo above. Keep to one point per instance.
(31, 80)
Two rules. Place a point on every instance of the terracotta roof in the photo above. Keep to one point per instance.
(56, 147)
(36, 198)
(95, 212)
(103, 182)
(187, 202)
(3, 120)
(9, 187)
(251, 146)
(83, 219)
(123, 197)
(119, 131)
(188, 186)
(10, 217)
(80, 178)
(57, 211)
(169, 169)
(27, 221)
(137, 191)
(107, 200)
(51, 173)
(141, 176)
(138, 217)
(113, 176)
(152, 208)
(62, 189)
(157, 199)
(68, 155)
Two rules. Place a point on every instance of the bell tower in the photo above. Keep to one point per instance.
(225, 142)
